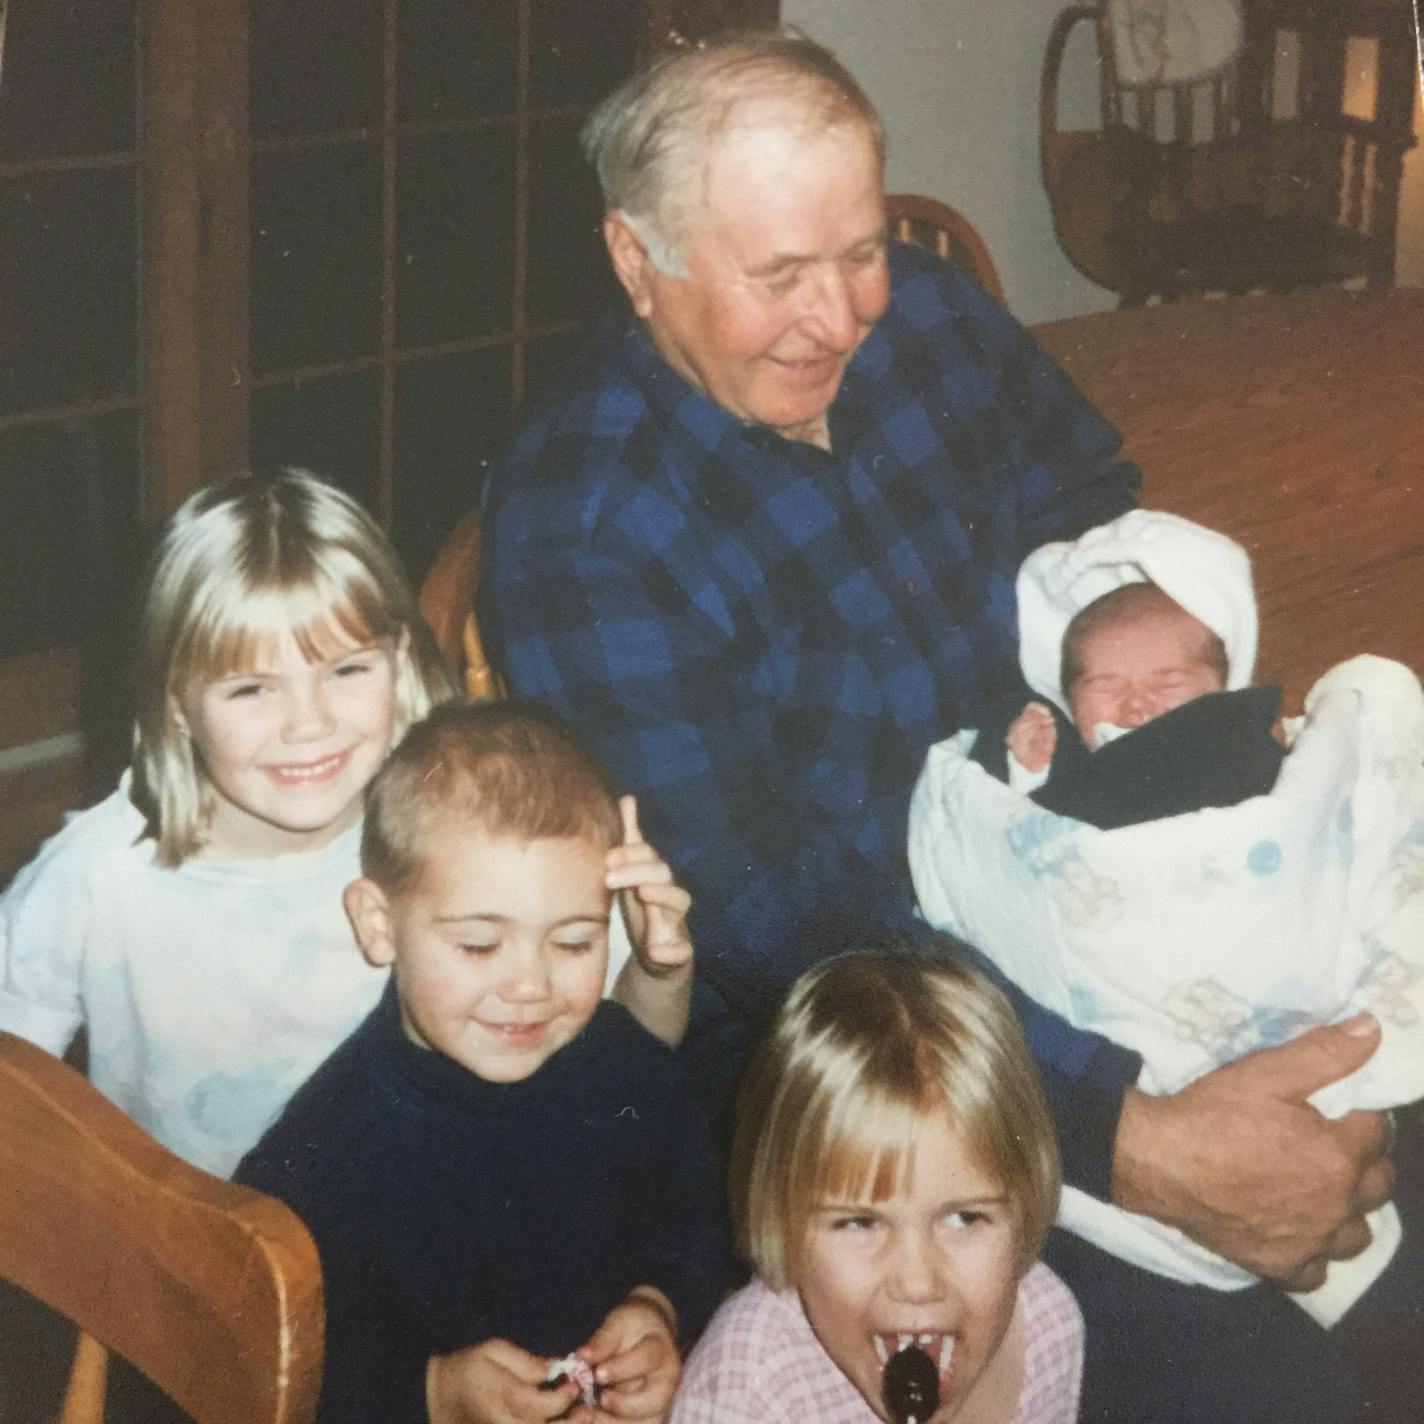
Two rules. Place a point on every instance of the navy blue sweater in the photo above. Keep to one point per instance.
(449, 1210)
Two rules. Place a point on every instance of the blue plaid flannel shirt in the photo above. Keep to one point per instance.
(763, 639)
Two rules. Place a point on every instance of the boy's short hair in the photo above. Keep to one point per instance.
(1122, 605)
(515, 769)
(866, 1044)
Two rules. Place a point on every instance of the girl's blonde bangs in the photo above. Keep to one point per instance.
(236, 629)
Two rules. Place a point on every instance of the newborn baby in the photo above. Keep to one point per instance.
(1130, 656)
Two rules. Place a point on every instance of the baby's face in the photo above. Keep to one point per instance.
(1140, 667)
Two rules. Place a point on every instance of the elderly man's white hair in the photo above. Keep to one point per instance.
(649, 140)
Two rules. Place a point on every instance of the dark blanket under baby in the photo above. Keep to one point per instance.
(1216, 750)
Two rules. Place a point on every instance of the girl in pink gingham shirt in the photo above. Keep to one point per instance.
(893, 1175)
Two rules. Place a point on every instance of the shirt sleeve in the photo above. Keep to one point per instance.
(44, 925)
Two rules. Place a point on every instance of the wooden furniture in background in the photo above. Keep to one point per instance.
(946, 231)
(1295, 424)
(211, 1290)
(447, 604)
(1259, 176)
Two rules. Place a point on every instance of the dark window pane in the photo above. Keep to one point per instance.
(582, 50)
(456, 235)
(70, 78)
(327, 426)
(569, 274)
(452, 416)
(545, 362)
(316, 261)
(70, 496)
(316, 65)
(68, 279)
(457, 59)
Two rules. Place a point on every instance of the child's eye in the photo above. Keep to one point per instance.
(852, 1222)
(355, 668)
(965, 1218)
(477, 949)
(574, 946)
(242, 689)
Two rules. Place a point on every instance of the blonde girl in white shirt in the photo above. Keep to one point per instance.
(192, 921)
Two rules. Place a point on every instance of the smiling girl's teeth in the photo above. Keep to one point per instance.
(946, 1352)
(881, 1353)
(308, 772)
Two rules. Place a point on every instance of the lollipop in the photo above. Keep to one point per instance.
(910, 1386)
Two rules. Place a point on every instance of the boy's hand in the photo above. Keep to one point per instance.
(635, 1361)
(654, 905)
(493, 1382)
(1032, 737)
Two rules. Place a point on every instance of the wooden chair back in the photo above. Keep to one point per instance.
(447, 605)
(210, 1290)
(1253, 177)
(946, 231)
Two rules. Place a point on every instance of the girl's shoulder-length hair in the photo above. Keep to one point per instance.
(866, 1046)
(240, 566)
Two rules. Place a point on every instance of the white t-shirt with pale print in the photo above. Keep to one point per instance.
(210, 992)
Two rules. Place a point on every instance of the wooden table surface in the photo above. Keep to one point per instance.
(1296, 425)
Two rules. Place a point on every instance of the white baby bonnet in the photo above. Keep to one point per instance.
(1204, 571)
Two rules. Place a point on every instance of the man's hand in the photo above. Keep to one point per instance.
(656, 983)
(1240, 1162)
(493, 1382)
(1032, 737)
(635, 1360)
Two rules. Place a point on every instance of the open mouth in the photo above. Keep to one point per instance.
(938, 1346)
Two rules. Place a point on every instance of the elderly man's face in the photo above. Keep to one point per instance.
(785, 273)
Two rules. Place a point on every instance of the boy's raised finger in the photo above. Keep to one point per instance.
(628, 809)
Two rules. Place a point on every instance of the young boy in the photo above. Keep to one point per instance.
(501, 1168)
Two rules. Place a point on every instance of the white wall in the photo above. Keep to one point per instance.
(957, 83)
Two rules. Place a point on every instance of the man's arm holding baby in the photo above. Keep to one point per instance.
(655, 985)
(1240, 1161)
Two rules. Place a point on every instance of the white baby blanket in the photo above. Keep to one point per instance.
(1198, 938)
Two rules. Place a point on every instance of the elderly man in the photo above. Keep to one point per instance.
(760, 546)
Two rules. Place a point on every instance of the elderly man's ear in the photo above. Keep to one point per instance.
(631, 262)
